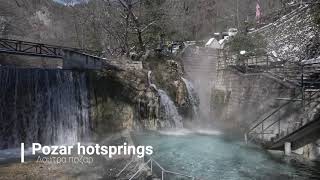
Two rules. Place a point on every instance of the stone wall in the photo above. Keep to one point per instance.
(239, 99)
(200, 68)
(20, 61)
(76, 60)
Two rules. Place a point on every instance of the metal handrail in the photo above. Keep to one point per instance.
(127, 165)
(144, 164)
(41, 49)
(270, 125)
(47, 45)
(261, 122)
(163, 171)
(267, 117)
(291, 100)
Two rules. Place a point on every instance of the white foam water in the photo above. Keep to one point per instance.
(192, 98)
(170, 110)
(208, 132)
(45, 106)
(171, 113)
(178, 132)
(184, 132)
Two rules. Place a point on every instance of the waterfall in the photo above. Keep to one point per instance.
(192, 97)
(170, 110)
(149, 77)
(200, 66)
(171, 113)
(150, 83)
(45, 106)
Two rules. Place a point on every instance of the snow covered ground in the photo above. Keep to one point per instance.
(289, 36)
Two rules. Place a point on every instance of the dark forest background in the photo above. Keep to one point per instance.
(121, 26)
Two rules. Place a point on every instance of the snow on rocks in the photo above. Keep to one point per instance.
(288, 37)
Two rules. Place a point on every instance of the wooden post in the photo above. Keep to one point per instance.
(267, 63)
(246, 138)
(279, 119)
(262, 136)
(302, 88)
(287, 148)
(162, 175)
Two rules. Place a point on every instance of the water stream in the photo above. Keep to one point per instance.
(45, 106)
(192, 97)
(200, 66)
(170, 113)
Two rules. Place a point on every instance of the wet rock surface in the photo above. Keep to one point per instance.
(167, 74)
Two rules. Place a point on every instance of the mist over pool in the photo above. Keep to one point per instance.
(220, 157)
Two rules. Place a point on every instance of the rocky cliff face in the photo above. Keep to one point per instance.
(167, 75)
(122, 98)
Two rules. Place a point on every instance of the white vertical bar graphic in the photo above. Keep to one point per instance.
(22, 152)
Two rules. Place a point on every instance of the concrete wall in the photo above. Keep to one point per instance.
(30, 61)
(75, 60)
(200, 68)
(70, 60)
(239, 99)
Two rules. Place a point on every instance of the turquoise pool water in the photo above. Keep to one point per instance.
(215, 156)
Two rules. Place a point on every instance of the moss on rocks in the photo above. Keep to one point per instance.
(166, 74)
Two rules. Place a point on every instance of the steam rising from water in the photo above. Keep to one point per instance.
(184, 132)
(200, 67)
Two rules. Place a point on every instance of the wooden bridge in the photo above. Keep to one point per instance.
(72, 58)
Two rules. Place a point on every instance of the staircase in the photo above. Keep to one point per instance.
(296, 120)
(150, 170)
(274, 130)
(301, 129)
(128, 171)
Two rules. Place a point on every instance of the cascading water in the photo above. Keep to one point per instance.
(200, 65)
(170, 110)
(192, 97)
(45, 106)
(150, 83)
(171, 113)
